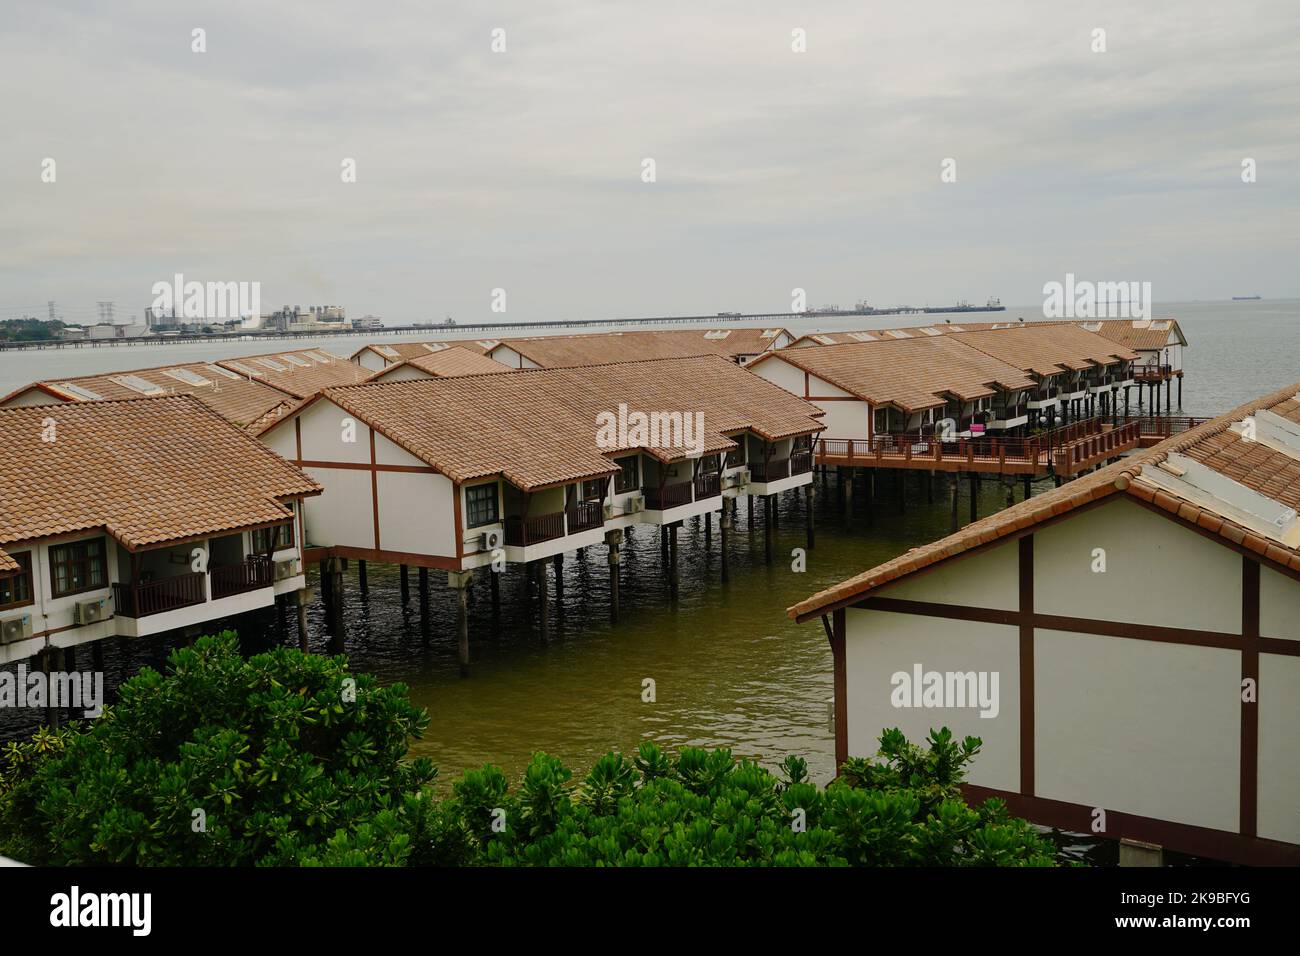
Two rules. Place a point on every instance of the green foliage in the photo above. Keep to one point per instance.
(289, 758)
(292, 768)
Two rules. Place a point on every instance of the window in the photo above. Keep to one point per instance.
(283, 538)
(78, 567)
(16, 586)
(882, 420)
(481, 505)
(594, 490)
(627, 479)
(710, 463)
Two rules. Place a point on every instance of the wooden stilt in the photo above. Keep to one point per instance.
(543, 598)
(767, 528)
(673, 580)
(495, 579)
(614, 539)
(810, 493)
(954, 523)
(460, 580)
(559, 578)
(708, 531)
(724, 526)
(406, 585)
(304, 644)
(361, 578)
(974, 496)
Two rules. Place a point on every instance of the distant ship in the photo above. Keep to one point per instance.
(1245, 298)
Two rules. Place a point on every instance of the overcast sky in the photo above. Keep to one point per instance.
(522, 170)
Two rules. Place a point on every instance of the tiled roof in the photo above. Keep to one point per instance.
(300, 372)
(235, 399)
(1250, 463)
(1046, 349)
(911, 373)
(538, 428)
(1146, 334)
(149, 471)
(599, 348)
(401, 351)
(448, 362)
(7, 563)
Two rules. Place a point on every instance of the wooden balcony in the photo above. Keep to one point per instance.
(521, 531)
(1152, 373)
(735, 458)
(801, 461)
(155, 597)
(708, 484)
(669, 496)
(586, 515)
(250, 575)
(774, 470)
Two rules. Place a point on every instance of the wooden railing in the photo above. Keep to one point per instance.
(708, 484)
(1067, 460)
(735, 458)
(1010, 411)
(586, 515)
(1163, 426)
(163, 594)
(801, 461)
(250, 575)
(773, 470)
(1152, 373)
(670, 496)
(521, 531)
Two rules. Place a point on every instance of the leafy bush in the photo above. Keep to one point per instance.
(223, 761)
(290, 768)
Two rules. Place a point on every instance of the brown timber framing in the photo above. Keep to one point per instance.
(1240, 847)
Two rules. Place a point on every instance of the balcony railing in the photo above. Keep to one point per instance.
(586, 515)
(670, 496)
(163, 594)
(521, 531)
(250, 575)
(774, 470)
(735, 458)
(801, 461)
(708, 484)
(1152, 373)
(1002, 414)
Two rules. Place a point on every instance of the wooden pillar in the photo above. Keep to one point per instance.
(673, 579)
(361, 578)
(496, 590)
(750, 525)
(460, 580)
(954, 522)
(663, 544)
(974, 496)
(543, 598)
(809, 493)
(724, 527)
(1180, 392)
(424, 602)
(304, 644)
(49, 662)
(767, 528)
(338, 634)
(1028, 487)
(406, 586)
(708, 531)
(559, 578)
(614, 538)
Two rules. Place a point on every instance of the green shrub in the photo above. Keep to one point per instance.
(294, 761)
(281, 758)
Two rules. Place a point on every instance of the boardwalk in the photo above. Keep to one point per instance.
(1064, 451)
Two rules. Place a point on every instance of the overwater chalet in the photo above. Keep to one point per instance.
(1127, 646)
(377, 356)
(1159, 345)
(130, 518)
(243, 401)
(300, 373)
(441, 364)
(468, 472)
(1076, 373)
(918, 385)
(556, 351)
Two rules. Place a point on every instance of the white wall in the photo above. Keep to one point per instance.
(1143, 727)
(403, 373)
(849, 418)
(1156, 572)
(1278, 804)
(416, 513)
(879, 643)
(1279, 605)
(990, 580)
(33, 396)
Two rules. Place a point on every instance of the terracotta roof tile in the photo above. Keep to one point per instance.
(1211, 441)
(401, 351)
(7, 563)
(150, 471)
(539, 427)
(300, 373)
(558, 351)
(451, 361)
(237, 399)
(912, 374)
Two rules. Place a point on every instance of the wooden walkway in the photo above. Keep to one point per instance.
(1063, 451)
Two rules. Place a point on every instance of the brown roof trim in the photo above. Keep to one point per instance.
(1123, 476)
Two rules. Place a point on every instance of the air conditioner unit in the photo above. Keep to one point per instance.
(88, 612)
(608, 510)
(490, 540)
(287, 568)
(634, 505)
(15, 628)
